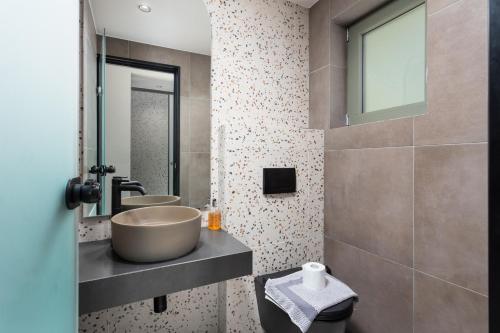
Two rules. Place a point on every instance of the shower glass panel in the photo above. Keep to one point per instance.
(101, 125)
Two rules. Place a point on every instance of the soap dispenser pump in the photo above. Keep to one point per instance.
(214, 217)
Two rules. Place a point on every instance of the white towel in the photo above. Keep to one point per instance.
(302, 304)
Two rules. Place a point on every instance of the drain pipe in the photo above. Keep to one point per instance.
(160, 304)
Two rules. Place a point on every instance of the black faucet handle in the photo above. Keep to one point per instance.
(119, 180)
(132, 182)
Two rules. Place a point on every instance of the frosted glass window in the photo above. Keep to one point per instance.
(386, 63)
(394, 62)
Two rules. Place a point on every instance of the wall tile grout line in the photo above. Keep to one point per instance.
(320, 69)
(451, 283)
(445, 7)
(345, 10)
(404, 266)
(413, 225)
(413, 146)
(370, 253)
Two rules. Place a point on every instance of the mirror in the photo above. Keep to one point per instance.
(146, 117)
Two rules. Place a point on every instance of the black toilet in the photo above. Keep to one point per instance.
(275, 320)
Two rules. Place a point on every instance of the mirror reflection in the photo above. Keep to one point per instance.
(147, 105)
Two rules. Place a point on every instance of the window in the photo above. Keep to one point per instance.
(386, 63)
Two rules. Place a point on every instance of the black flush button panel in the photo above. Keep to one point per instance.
(279, 180)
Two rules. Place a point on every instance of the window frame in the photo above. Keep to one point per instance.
(355, 94)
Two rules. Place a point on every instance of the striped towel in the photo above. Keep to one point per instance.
(302, 304)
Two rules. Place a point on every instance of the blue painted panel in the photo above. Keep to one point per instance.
(38, 154)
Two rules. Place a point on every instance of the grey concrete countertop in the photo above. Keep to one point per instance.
(106, 280)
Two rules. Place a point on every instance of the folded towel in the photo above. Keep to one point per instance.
(302, 304)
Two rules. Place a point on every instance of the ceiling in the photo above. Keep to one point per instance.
(182, 25)
(304, 3)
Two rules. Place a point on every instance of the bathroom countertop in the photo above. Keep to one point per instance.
(106, 280)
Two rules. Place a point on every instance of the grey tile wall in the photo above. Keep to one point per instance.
(385, 288)
(319, 35)
(345, 12)
(327, 53)
(406, 199)
(441, 307)
(451, 213)
(457, 82)
(390, 133)
(320, 103)
(370, 200)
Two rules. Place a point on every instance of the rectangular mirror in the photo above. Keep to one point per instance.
(147, 103)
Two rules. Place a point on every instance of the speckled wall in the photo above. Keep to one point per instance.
(260, 65)
(260, 80)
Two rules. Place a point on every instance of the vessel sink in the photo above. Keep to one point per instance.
(155, 233)
(149, 200)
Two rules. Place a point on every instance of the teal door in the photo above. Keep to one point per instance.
(39, 65)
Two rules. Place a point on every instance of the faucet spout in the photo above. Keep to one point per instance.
(120, 184)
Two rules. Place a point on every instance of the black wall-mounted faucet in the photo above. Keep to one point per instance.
(118, 185)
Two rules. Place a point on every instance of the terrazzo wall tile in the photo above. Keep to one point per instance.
(259, 68)
(194, 310)
(260, 79)
(93, 229)
(279, 256)
(95, 322)
(241, 306)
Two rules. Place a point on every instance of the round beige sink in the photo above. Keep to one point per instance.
(141, 201)
(155, 233)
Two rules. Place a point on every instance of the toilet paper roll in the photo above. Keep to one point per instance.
(313, 276)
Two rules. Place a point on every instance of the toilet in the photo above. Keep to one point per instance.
(275, 320)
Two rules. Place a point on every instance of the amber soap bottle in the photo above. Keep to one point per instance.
(214, 217)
